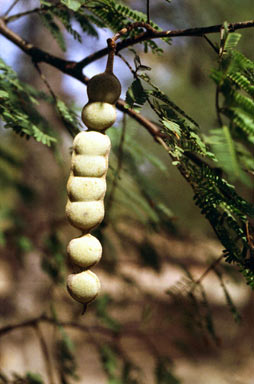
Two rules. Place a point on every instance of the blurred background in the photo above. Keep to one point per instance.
(151, 323)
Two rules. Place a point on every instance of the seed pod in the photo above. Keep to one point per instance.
(85, 215)
(85, 251)
(86, 185)
(91, 143)
(86, 188)
(83, 286)
(89, 166)
(104, 87)
(99, 116)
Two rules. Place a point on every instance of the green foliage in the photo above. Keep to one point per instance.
(34, 378)
(65, 357)
(116, 15)
(65, 13)
(24, 244)
(181, 129)
(229, 300)
(102, 304)
(149, 255)
(234, 81)
(135, 96)
(17, 108)
(48, 21)
(222, 206)
(117, 374)
(110, 13)
(53, 260)
(69, 117)
(74, 5)
(28, 378)
(163, 372)
(86, 23)
(136, 196)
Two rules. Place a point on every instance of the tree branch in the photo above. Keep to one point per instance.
(38, 55)
(148, 11)
(45, 353)
(11, 7)
(43, 318)
(208, 269)
(151, 33)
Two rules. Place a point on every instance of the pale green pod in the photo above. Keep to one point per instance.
(85, 251)
(83, 286)
(91, 143)
(86, 188)
(89, 166)
(98, 115)
(85, 215)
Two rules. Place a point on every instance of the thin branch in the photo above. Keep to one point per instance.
(126, 62)
(148, 11)
(38, 55)
(152, 128)
(41, 9)
(205, 273)
(45, 353)
(211, 44)
(151, 33)
(132, 330)
(44, 79)
(11, 7)
(43, 318)
(21, 14)
(217, 106)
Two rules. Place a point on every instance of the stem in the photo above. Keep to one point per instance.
(111, 56)
(30, 12)
(151, 33)
(217, 105)
(11, 7)
(209, 269)
(148, 11)
(44, 79)
(211, 44)
(45, 353)
(126, 62)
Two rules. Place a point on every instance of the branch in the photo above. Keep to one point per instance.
(43, 8)
(45, 353)
(38, 55)
(148, 11)
(90, 330)
(11, 7)
(43, 318)
(209, 269)
(151, 33)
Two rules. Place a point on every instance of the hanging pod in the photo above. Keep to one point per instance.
(86, 186)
